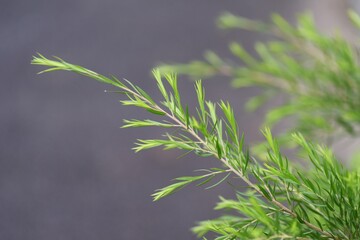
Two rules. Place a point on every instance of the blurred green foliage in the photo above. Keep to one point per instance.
(317, 75)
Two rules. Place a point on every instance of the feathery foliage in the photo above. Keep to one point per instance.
(319, 74)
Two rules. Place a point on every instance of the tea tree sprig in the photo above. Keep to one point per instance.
(280, 194)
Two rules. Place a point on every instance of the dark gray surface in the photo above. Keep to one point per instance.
(66, 170)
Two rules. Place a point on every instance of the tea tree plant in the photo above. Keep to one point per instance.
(320, 76)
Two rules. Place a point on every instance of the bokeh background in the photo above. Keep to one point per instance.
(67, 170)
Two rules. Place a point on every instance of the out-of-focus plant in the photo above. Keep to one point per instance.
(320, 77)
(317, 75)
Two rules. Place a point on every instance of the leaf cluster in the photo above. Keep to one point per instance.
(282, 201)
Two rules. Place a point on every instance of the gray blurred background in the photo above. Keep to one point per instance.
(66, 169)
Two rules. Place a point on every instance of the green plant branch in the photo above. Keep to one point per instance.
(137, 97)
